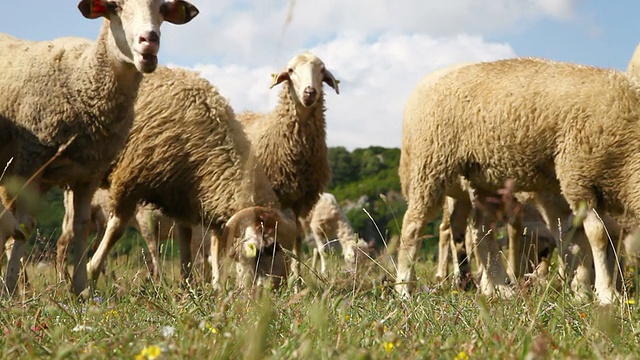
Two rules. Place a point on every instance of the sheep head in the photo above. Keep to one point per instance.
(135, 26)
(306, 73)
(355, 251)
(256, 231)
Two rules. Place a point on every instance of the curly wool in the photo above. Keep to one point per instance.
(187, 154)
(63, 88)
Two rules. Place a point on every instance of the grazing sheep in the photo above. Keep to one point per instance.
(150, 222)
(290, 141)
(551, 127)
(527, 234)
(188, 156)
(326, 222)
(67, 107)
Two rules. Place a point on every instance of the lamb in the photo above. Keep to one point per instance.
(327, 221)
(559, 128)
(149, 221)
(290, 141)
(67, 107)
(188, 156)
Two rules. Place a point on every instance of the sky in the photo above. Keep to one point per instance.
(378, 49)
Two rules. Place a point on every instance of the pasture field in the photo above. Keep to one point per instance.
(348, 316)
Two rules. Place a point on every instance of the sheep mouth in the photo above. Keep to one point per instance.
(148, 62)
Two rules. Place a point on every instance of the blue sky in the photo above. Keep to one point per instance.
(379, 49)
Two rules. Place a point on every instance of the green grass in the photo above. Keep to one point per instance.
(351, 316)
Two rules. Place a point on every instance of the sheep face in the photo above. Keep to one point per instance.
(257, 231)
(135, 26)
(306, 73)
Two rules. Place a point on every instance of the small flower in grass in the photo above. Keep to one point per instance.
(462, 355)
(149, 353)
(347, 317)
(111, 314)
(388, 346)
(631, 301)
(583, 315)
(454, 292)
(211, 328)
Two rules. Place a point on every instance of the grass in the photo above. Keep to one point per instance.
(351, 316)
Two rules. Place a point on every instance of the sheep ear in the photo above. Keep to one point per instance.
(278, 78)
(179, 11)
(93, 9)
(331, 81)
(229, 232)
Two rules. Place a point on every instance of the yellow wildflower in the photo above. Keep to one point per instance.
(347, 317)
(388, 346)
(462, 355)
(454, 292)
(211, 328)
(149, 353)
(631, 301)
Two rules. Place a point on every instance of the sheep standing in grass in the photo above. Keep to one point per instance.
(326, 222)
(67, 107)
(550, 127)
(188, 156)
(149, 221)
(290, 141)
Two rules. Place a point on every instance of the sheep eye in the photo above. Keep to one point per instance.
(290, 70)
(112, 6)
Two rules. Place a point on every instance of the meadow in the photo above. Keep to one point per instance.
(347, 315)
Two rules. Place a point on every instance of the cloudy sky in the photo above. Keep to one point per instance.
(379, 49)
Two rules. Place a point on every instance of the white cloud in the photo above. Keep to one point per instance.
(376, 79)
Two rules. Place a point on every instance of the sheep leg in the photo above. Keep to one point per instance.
(295, 263)
(415, 219)
(217, 252)
(317, 237)
(81, 196)
(517, 267)
(184, 233)
(445, 239)
(603, 258)
(494, 277)
(150, 231)
(65, 238)
(116, 225)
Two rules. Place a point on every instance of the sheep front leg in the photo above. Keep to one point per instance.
(517, 267)
(603, 258)
(218, 249)
(149, 228)
(412, 224)
(65, 237)
(81, 195)
(116, 225)
(295, 263)
(320, 244)
(445, 239)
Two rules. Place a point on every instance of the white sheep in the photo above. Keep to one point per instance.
(327, 222)
(551, 127)
(67, 107)
(290, 141)
(189, 157)
(149, 221)
(633, 68)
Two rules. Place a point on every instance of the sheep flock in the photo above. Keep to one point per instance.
(550, 150)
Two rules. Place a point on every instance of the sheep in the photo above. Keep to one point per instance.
(150, 222)
(67, 106)
(326, 222)
(633, 69)
(290, 141)
(188, 156)
(552, 127)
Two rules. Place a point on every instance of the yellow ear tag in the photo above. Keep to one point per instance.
(250, 250)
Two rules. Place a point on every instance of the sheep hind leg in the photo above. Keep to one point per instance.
(445, 240)
(423, 204)
(320, 245)
(294, 278)
(494, 281)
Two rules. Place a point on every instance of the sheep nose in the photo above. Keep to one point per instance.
(150, 37)
(309, 95)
